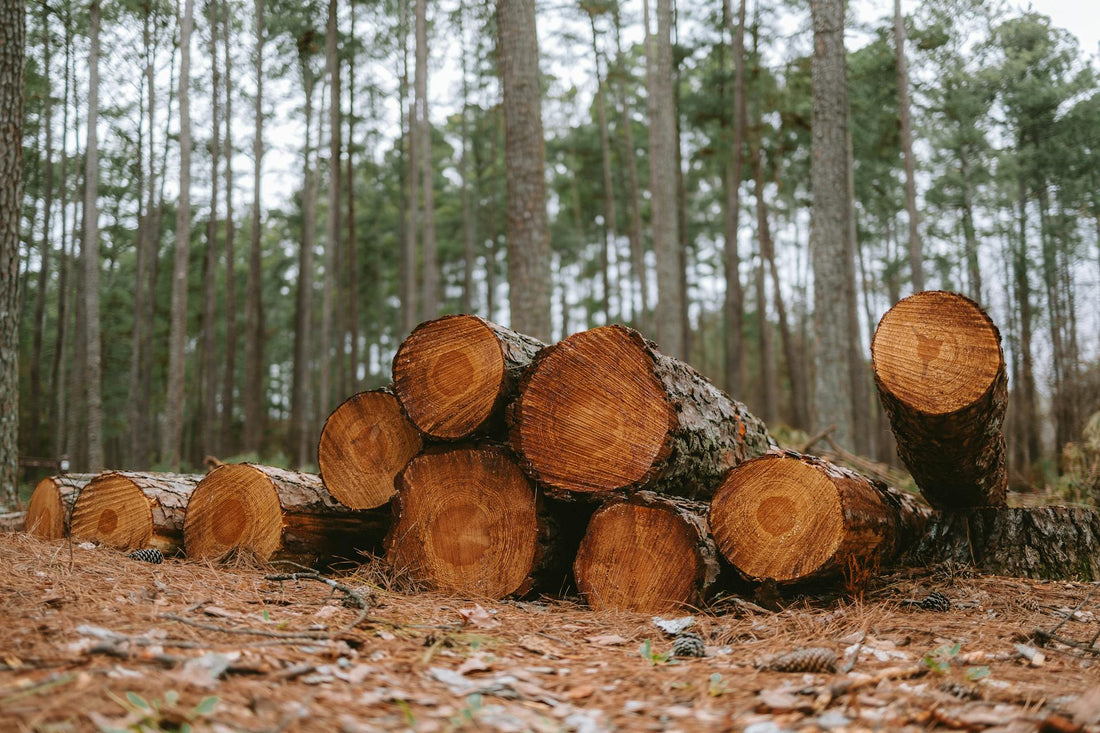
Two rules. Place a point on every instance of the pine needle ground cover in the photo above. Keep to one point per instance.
(94, 640)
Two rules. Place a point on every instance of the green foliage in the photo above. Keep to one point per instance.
(652, 656)
(160, 715)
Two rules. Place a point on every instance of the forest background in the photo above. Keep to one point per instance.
(234, 212)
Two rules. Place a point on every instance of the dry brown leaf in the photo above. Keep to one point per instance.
(607, 640)
(478, 617)
(540, 645)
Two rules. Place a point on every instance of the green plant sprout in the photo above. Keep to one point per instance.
(160, 716)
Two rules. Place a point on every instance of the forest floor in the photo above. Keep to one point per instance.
(91, 639)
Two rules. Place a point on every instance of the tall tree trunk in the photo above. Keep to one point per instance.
(829, 224)
(972, 267)
(58, 388)
(227, 443)
(173, 430)
(35, 440)
(93, 370)
(769, 391)
(1028, 444)
(408, 287)
(916, 258)
(254, 328)
(862, 441)
(734, 305)
(611, 226)
(351, 245)
(332, 229)
(525, 166)
(208, 442)
(469, 222)
(429, 300)
(12, 57)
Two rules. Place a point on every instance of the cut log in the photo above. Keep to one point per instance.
(941, 377)
(1052, 542)
(468, 521)
(604, 410)
(647, 553)
(272, 513)
(129, 510)
(791, 517)
(365, 443)
(453, 375)
(51, 504)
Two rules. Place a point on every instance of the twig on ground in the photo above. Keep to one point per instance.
(1043, 636)
(352, 595)
(824, 696)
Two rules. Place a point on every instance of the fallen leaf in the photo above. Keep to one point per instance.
(673, 626)
(478, 617)
(326, 612)
(204, 671)
(781, 701)
(579, 693)
(540, 645)
(219, 612)
(607, 640)
(475, 663)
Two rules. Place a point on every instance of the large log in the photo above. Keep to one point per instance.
(604, 410)
(791, 517)
(453, 375)
(273, 513)
(468, 521)
(1052, 542)
(941, 377)
(364, 444)
(51, 504)
(129, 510)
(648, 553)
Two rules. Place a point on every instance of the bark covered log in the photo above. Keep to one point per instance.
(129, 510)
(364, 444)
(274, 513)
(51, 504)
(604, 410)
(940, 373)
(1052, 542)
(454, 374)
(648, 553)
(467, 520)
(792, 517)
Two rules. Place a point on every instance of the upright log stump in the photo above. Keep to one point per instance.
(647, 553)
(128, 510)
(51, 504)
(941, 377)
(468, 521)
(271, 513)
(604, 410)
(791, 517)
(365, 443)
(453, 375)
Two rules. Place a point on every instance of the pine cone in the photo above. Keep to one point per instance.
(149, 554)
(961, 690)
(688, 644)
(935, 601)
(815, 659)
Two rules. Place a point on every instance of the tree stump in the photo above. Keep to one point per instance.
(365, 443)
(129, 510)
(604, 410)
(792, 517)
(51, 504)
(941, 377)
(453, 375)
(1051, 542)
(272, 513)
(647, 553)
(468, 521)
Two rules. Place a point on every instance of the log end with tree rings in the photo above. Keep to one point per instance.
(365, 443)
(644, 553)
(453, 373)
(467, 521)
(235, 507)
(591, 415)
(47, 513)
(113, 511)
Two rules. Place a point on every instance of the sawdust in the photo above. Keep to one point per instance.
(90, 639)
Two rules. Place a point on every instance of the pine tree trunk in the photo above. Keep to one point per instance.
(350, 242)
(429, 301)
(332, 223)
(254, 328)
(769, 389)
(972, 266)
(611, 225)
(940, 373)
(734, 306)
(409, 198)
(604, 410)
(35, 440)
(227, 442)
(210, 426)
(271, 513)
(792, 517)
(51, 504)
(916, 258)
(129, 510)
(94, 368)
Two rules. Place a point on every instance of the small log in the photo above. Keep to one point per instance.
(790, 517)
(365, 443)
(453, 375)
(940, 373)
(1051, 542)
(129, 510)
(273, 513)
(648, 553)
(51, 504)
(604, 410)
(468, 521)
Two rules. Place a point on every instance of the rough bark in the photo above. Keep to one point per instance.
(274, 513)
(254, 329)
(646, 553)
(365, 443)
(35, 438)
(51, 504)
(1052, 542)
(93, 369)
(769, 382)
(227, 441)
(940, 373)
(208, 439)
(734, 305)
(454, 375)
(604, 410)
(792, 517)
(129, 510)
(525, 163)
(332, 223)
(429, 301)
(916, 257)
